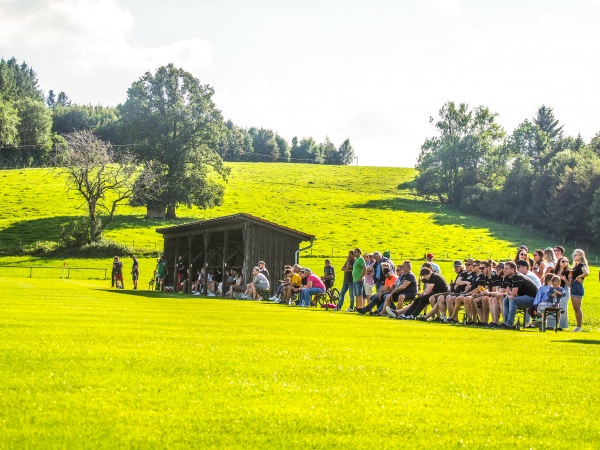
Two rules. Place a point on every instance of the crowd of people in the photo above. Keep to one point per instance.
(485, 292)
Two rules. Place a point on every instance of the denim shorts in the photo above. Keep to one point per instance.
(357, 287)
(577, 289)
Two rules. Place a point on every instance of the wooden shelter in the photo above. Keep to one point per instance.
(238, 241)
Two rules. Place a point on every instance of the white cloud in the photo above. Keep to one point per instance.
(91, 39)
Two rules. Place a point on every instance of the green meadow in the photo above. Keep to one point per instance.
(86, 367)
(83, 366)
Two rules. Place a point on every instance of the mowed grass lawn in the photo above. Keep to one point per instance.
(85, 367)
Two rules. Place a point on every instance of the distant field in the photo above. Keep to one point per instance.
(344, 207)
(85, 367)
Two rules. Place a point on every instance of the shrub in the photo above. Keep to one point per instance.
(105, 248)
(76, 233)
(42, 248)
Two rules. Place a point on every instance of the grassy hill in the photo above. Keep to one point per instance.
(370, 207)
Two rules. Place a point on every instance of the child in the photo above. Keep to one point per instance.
(555, 293)
(543, 295)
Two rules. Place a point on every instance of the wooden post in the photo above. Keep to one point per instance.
(190, 239)
(175, 287)
(206, 244)
(225, 257)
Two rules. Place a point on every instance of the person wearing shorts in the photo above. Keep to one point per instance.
(135, 272)
(359, 271)
(118, 273)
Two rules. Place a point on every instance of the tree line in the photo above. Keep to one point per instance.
(535, 175)
(32, 122)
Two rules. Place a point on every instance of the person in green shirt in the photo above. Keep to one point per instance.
(161, 273)
(358, 277)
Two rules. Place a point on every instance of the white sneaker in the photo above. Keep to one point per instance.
(245, 297)
(390, 312)
(273, 298)
(276, 300)
(350, 310)
(211, 294)
(196, 293)
(576, 329)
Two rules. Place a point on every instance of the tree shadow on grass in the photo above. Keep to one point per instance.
(49, 228)
(446, 215)
(580, 341)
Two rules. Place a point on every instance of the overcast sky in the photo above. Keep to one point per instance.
(372, 71)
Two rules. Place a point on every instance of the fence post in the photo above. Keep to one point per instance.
(105, 273)
(30, 272)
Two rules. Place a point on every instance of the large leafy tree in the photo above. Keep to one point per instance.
(176, 127)
(453, 160)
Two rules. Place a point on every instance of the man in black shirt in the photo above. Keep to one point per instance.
(436, 284)
(520, 293)
(328, 275)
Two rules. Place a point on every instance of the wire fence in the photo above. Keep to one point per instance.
(65, 272)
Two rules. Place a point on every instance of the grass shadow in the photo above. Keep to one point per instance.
(25, 232)
(581, 341)
(446, 215)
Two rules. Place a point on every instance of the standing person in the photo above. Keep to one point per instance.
(135, 271)
(369, 279)
(313, 286)
(359, 271)
(161, 273)
(118, 273)
(579, 272)
(180, 272)
(434, 266)
(559, 251)
(562, 270)
(549, 259)
(347, 284)
(328, 275)
(539, 265)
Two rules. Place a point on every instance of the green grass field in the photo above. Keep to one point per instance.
(86, 367)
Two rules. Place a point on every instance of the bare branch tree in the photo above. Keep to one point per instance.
(103, 179)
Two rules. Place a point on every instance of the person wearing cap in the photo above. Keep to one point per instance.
(259, 283)
(434, 266)
(520, 294)
(262, 268)
(524, 268)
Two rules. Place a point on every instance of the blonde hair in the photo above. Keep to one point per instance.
(582, 254)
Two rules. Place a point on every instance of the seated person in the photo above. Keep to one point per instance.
(548, 296)
(197, 285)
(259, 283)
(314, 285)
(407, 291)
(236, 286)
(435, 284)
(296, 281)
(378, 298)
(287, 273)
